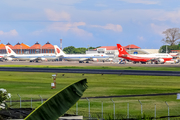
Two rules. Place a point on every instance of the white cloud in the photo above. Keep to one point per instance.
(10, 33)
(100, 5)
(38, 32)
(116, 28)
(173, 16)
(158, 29)
(142, 1)
(55, 16)
(141, 38)
(70, 27)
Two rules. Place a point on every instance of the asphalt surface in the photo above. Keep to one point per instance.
(90, 71)
(93, 71)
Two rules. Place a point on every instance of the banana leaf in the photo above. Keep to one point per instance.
(59, 103)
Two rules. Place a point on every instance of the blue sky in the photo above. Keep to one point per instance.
(88, 22)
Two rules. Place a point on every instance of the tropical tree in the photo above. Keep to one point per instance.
(69, 50)
(3, 96)
(73, 50)
(172, 35)
(169, 48)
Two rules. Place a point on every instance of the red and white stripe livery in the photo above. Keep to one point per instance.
(157, 58)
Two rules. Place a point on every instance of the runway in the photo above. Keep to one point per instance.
(94, 71)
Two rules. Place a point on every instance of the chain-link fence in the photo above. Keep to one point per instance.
(116, 108)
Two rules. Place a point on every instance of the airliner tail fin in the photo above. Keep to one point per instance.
(58, 51)
(10, 51)
(121, 50)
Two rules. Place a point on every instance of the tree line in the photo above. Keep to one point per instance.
(172, 37)
(73, 50)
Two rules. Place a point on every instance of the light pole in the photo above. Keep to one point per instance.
(21, 49)
(88, 47)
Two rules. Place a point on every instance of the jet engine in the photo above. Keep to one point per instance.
(161, 61)
(95, 59)
(43, 59)
(9, 58)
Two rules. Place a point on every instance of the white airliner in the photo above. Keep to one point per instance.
(4, 57)
(30, 57)
(80, 57)
(156, 58)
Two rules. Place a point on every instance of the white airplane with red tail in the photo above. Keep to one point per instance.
(156, 58)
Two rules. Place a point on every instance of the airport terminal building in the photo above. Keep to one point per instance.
(113, 50)
(21, 48)
(25, 49)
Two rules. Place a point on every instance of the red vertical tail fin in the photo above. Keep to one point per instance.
(121, 50)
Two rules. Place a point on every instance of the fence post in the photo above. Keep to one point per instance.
(41, 99)
(114, 109)
(141, 108)
(127, 110)
(10, 101)
(77, 108)
(155, 112)
(168, 109)
(102, 110)
(19, 100)
(31, 102)
(89, 107)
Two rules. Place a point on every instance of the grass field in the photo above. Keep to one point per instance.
(30, 85)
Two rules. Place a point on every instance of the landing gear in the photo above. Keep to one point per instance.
(81, 61)
(87, 61)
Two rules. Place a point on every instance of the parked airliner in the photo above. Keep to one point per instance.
(80, 57)
(156, 58)
(4, 57)
(30, 57)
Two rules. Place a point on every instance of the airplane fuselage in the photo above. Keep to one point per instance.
(146, 57)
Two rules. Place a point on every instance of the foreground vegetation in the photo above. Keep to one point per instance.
(30, 85)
